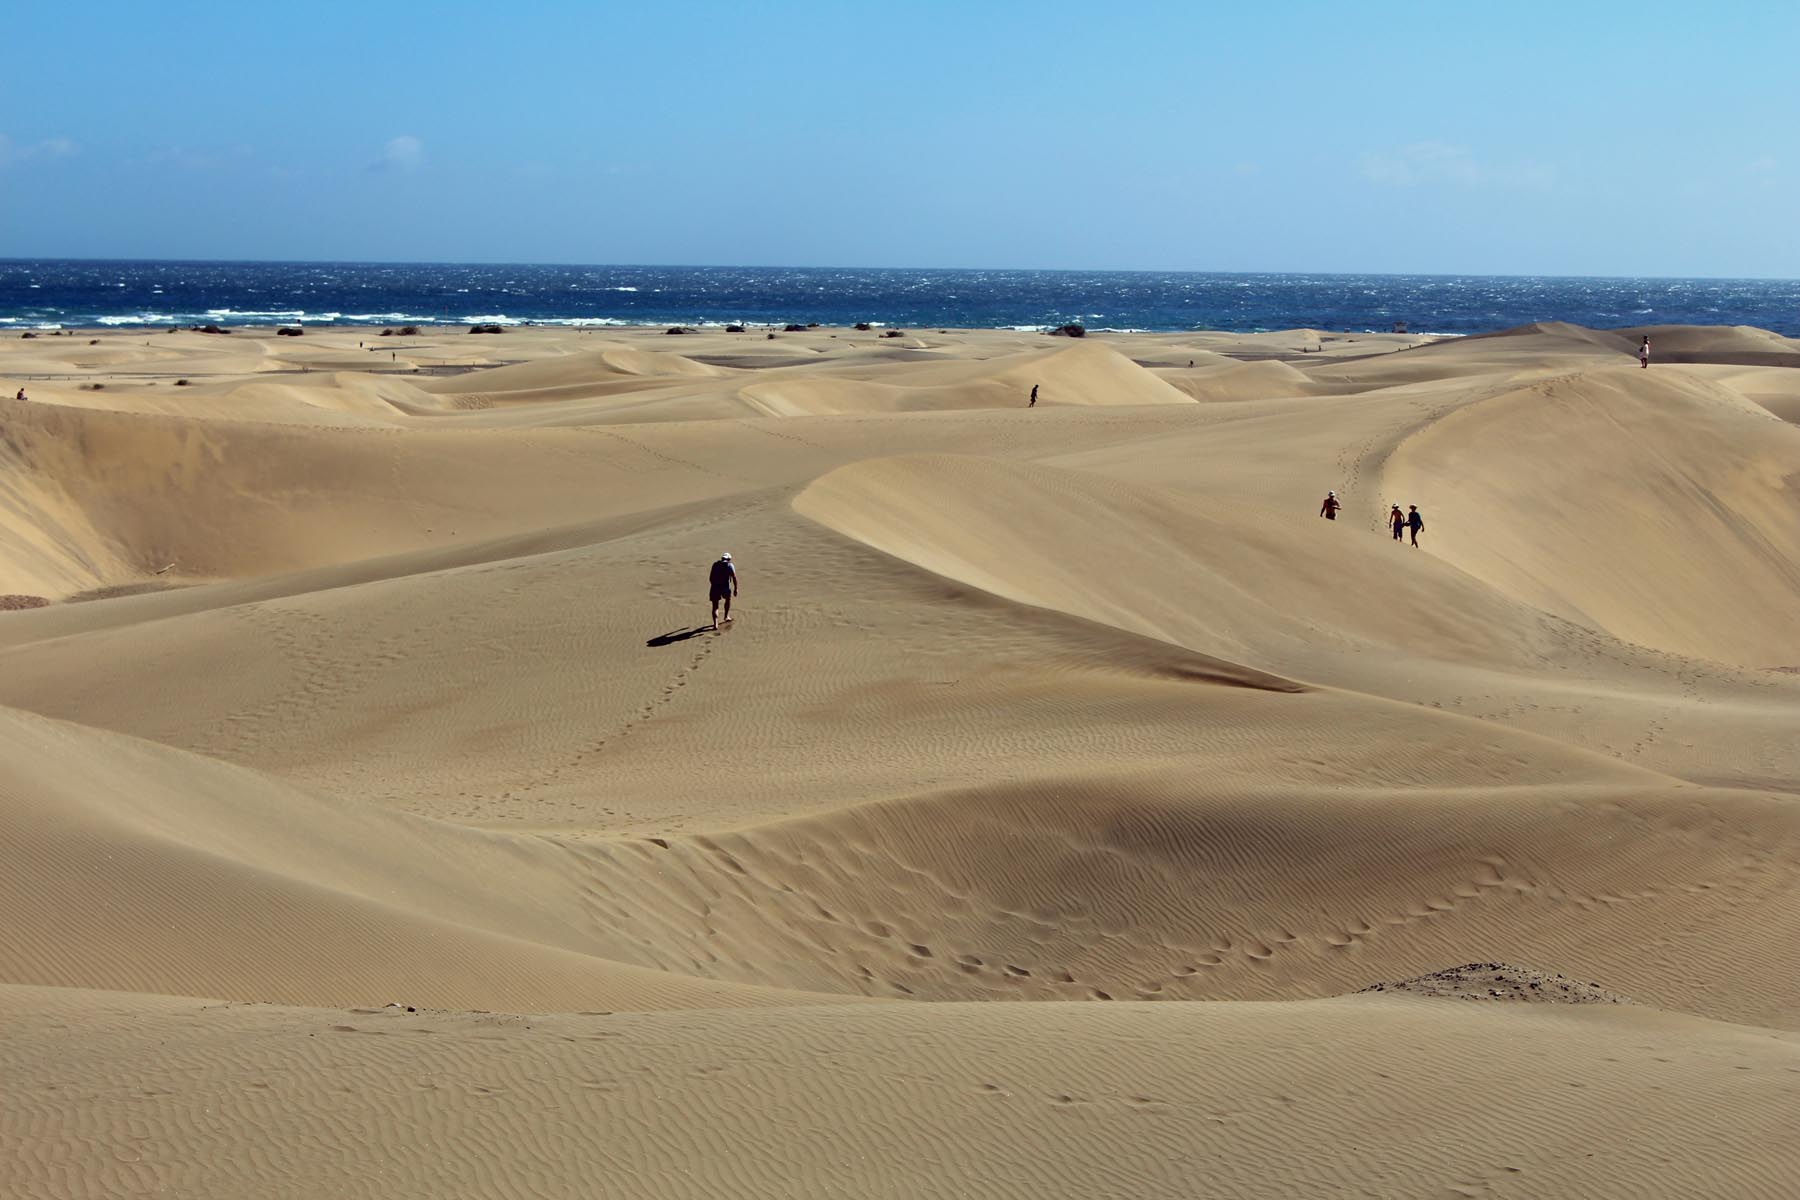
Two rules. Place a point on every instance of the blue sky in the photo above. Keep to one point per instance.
(1528, 138)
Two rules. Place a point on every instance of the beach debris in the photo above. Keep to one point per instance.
(487, 328)
(285, 331)
(1500, 981)
(1069, 330)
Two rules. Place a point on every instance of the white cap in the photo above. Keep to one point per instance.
(726, 556)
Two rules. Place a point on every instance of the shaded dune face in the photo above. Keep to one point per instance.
(202, 878)
(359, 692)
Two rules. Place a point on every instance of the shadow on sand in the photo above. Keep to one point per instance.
(678, 635)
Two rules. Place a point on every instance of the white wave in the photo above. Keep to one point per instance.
(498, 319)
(140, 319)
(400, 318)
(621, 289)
(287, 314)
(581, 322)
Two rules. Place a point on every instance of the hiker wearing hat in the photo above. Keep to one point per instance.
(1329, 509)
(723, 586)
(1397, 522)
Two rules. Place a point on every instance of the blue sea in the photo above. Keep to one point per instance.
(49, 294)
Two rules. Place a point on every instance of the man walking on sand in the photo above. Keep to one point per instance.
(1329, 509)
(722, 583)
(1033, 404)
(1414, 522)
(1397, 522)
(1644, 353)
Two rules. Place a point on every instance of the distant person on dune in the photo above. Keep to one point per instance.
(1397, 522)
(1644, 353)
(21, 394)
(1329, 509)
(1033, 404)
(1414, 521)
(723, 585)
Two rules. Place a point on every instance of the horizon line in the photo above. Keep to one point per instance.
(355, 262)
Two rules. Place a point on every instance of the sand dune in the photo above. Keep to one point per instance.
(1081, 374)
(386, 818)
(1680, 481)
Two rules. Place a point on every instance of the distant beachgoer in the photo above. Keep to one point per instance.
(1329, 509)
(1414, 522)
(723, 585)
(1033, 404)
(1397, 522)
(21, 394)
(1644, 352)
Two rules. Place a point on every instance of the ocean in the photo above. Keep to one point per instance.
(49, 294)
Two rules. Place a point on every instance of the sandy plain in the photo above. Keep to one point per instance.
(1070, 810)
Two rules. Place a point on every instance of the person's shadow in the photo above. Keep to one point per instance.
(678, 635)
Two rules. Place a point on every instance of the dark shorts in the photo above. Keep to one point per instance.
(719, 594)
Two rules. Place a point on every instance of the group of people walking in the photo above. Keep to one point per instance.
(1401, 524)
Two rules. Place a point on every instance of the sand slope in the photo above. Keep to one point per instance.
(1680, 481)
(1162, 1100)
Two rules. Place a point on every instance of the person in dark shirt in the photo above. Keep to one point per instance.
(1397, 522)
(1414, 521)
(723, 585)
(1329, 509)
(1033, 404)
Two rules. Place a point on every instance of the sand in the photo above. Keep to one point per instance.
(1068, 810)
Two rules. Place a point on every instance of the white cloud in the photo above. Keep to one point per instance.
(181, 156)
(1438, 162)
(404, 153)
(50, 148)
